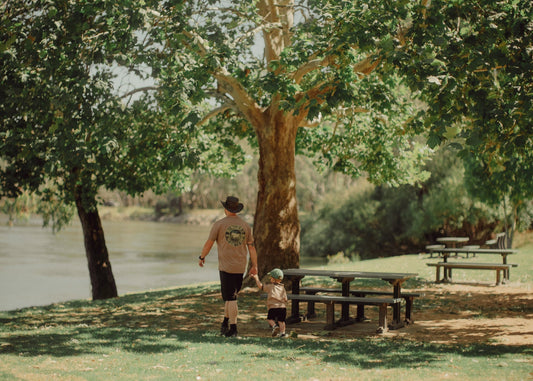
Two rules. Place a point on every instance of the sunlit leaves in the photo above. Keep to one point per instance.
(473, 64)
(63, 123)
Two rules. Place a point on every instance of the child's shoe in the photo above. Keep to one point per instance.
(283, 335)
(275, 330)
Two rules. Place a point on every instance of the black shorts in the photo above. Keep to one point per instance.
(278, 314)
(230, 285)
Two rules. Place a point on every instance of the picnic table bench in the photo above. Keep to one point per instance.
(445, 253)
(432, 248)
(407, 296)
(448, 266)
(500, 242)
(331, 300)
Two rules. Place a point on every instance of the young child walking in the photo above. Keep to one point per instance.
(276, 302)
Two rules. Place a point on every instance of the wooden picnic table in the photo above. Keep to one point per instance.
(445, 253)
(452, 241)
(345, 277)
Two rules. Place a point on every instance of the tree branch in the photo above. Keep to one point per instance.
(139, 90)
(228, 84)
(366, 66)
(200, 42)
(216, 111)
(309, 66)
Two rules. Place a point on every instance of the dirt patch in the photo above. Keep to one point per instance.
(459, 314)
(445, 314)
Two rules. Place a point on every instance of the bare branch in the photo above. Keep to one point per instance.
(216, 112)
(309, 67)
(366, 66)
(262, 27)
(200, 42)
(228, 84)
(233, 87)
(139, 90)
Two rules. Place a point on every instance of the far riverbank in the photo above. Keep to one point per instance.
(201, 217)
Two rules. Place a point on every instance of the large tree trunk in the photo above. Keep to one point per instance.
(276, 224)
(102, 280)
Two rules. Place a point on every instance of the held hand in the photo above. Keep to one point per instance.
(201, 261)
(253, 270)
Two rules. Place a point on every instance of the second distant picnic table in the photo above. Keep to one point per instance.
(452, 241)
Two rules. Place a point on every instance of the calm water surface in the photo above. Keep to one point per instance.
(38, 267)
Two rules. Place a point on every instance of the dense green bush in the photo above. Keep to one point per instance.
(382, 221)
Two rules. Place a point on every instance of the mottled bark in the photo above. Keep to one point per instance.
(276, 227)
(102, 280)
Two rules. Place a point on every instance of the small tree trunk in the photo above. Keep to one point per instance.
(276, 224)
(102, 280)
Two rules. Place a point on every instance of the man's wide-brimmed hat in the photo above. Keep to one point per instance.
(232, 204)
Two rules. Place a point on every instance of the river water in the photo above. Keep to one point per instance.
(38, 267)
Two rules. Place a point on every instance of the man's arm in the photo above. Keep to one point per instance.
(253, 258)
(206, 249)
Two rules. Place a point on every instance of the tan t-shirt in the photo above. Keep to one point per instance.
(277, 296)
(232, 235)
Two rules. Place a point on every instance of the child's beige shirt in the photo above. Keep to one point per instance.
(277, 296)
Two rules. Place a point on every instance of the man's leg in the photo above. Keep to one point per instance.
(224, 284)
(224, 327)
(233, 310)
(232, 284)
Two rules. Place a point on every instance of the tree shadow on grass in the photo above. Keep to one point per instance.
(366, 353)
(172, 320)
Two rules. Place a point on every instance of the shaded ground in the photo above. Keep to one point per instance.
(445, 314)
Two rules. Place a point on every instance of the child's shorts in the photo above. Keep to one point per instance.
(279, 314)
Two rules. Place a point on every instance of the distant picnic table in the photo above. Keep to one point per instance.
(452, 241)
(504, 267)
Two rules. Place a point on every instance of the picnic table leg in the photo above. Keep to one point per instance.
(295, 304)
(447, 272)
(345, 307)
(437, 275)
(497, 276)
(311, 306)
(396, 318)
(382, 327)
(330, 316)
(408, 309)
(360, 317)
(506, 275)
(345, 316)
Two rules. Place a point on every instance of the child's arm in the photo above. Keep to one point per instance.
(257, 281)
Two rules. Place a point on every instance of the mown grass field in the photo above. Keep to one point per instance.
(173, 334)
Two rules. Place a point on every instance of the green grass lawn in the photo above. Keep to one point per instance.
(148, 336)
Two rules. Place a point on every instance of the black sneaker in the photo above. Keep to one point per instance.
(224, 328)
(232, 332)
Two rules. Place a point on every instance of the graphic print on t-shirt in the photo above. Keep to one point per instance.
(235, 235)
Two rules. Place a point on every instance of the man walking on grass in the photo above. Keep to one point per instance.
(234, 241)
